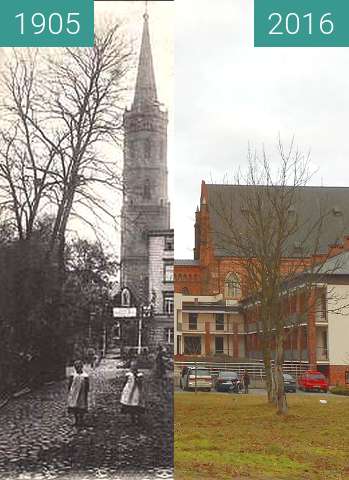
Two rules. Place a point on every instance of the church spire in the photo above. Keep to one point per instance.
(145, 92)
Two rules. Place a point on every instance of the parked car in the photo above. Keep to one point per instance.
(199, 378)
(290, 384)
(228, 382)
(313, 381)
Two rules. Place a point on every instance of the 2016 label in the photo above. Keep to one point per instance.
(301, 23)
(293, 24)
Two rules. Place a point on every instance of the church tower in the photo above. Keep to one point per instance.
(145, 204)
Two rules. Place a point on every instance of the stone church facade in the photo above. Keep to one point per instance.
(146, 207)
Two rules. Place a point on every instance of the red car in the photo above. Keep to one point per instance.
(313, 380)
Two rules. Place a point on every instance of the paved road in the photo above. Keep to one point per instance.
(38, 441)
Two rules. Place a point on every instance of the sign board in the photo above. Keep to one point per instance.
(125, 312)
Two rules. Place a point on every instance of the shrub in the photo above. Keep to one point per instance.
(340, 390)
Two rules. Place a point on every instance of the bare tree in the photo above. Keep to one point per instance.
(275, 243)
(59, 113)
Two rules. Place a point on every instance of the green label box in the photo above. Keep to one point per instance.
(301, 23)
(47, 23)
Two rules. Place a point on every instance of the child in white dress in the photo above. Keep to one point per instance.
(78, 393)
(132, 401)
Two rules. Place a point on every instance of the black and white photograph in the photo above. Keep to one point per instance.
(87, 252)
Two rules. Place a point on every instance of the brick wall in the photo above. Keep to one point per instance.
(188, 277)
(337, 374)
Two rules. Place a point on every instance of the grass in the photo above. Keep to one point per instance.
(222, 436)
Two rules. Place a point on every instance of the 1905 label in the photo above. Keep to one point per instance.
(47, 23)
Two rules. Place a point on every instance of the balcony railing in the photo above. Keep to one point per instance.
(201, 327)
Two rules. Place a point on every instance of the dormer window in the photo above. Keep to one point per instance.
(297, 246)
(337, 212)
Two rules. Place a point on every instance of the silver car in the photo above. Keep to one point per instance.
(196, 378)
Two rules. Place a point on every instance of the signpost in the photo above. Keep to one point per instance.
(131, 312)
(125, 312)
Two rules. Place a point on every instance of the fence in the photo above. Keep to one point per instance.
(255, 370)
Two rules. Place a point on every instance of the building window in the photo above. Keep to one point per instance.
(168, 272)
(179, 344)
(193, 321)
(219, 344)
(192, 345)
(168, 335)
(168, 303)
(232, 286)
(185, 291)
(169, 243)
(219, 321)
(347, 376)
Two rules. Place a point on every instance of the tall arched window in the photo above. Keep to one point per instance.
(146, 190)
(232, 288)
(147, 149)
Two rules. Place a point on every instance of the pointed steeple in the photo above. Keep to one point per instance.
(145, 92)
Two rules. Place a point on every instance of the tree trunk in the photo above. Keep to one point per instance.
(280, 397)
(268, 374)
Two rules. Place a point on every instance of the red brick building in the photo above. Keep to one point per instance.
(213, 315)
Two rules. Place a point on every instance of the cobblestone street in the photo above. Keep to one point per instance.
(38, 440)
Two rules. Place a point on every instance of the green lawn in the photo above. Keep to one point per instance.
(227, 436)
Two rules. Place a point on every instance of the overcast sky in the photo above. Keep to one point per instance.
(228, 93)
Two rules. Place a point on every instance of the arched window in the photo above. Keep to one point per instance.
(232, 287)
(146, 190)
(147, 149)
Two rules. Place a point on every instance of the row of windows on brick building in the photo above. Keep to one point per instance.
(232, 287)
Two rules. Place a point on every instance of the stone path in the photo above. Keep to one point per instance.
(38, 441)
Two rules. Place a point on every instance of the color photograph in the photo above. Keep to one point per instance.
(261, 224)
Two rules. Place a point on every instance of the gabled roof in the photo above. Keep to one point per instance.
(310, 203)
